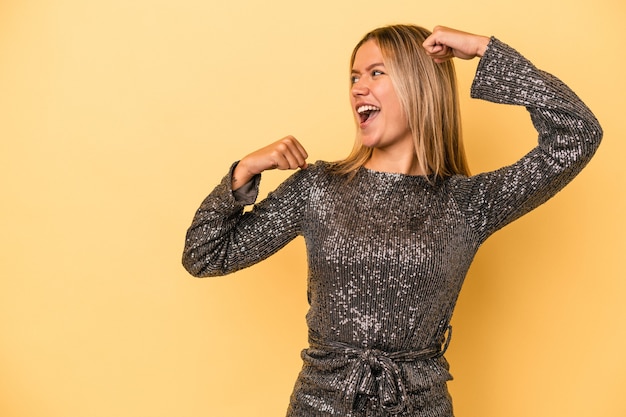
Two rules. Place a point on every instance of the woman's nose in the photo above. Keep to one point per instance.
(360, 88)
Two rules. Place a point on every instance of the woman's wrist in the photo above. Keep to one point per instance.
(240, 176)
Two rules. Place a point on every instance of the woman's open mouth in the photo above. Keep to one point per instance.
(367, 113)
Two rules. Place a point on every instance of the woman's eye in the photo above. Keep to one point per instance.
(354, 79)
(377, 72)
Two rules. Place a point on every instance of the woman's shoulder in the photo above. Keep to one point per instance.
(321, 166)
(319, 174)
(319, 169)
(313, 173)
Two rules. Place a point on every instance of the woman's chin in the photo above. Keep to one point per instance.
(368, 141)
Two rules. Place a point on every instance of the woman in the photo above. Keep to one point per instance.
(391, 230)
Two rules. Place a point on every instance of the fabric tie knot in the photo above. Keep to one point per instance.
(373, 373)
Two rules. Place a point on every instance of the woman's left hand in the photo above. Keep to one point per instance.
(446, 43)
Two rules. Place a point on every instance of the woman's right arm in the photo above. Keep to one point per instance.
(222, 238)
(286, 153)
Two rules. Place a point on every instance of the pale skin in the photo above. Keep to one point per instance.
(289, 154)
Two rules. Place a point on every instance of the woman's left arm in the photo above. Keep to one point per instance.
(569, 133)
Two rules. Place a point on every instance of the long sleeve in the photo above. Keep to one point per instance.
(223, 238)
(568, 132)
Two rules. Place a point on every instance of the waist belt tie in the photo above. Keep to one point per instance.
(373, 372)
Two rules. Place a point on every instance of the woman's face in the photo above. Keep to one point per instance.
(380, 121)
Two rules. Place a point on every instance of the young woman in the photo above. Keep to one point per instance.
(391, 230)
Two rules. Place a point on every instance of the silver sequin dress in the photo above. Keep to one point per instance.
(387, 253)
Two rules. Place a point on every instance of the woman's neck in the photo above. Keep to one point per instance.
(399, 164)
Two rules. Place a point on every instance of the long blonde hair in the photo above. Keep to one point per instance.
(428, 94)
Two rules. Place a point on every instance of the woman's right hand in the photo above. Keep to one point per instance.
(286, 153)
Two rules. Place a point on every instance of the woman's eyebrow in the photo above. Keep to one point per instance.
(369, 67)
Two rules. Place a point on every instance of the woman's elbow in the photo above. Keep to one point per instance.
(195, 265)
(202, 266)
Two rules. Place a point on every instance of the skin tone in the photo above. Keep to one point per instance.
(380, 122)
(386, 131)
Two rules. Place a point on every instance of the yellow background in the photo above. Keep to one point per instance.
(118, 116)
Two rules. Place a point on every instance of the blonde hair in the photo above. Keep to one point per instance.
(428, 95)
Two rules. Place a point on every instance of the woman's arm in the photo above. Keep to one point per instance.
(222, 238)
(446, 43)
(568, 135)
(286, 153)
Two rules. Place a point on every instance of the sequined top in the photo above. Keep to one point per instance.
(388, 253)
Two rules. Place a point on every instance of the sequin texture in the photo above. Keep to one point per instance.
(388, 253)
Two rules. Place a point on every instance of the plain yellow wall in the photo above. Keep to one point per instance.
(118, 116)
